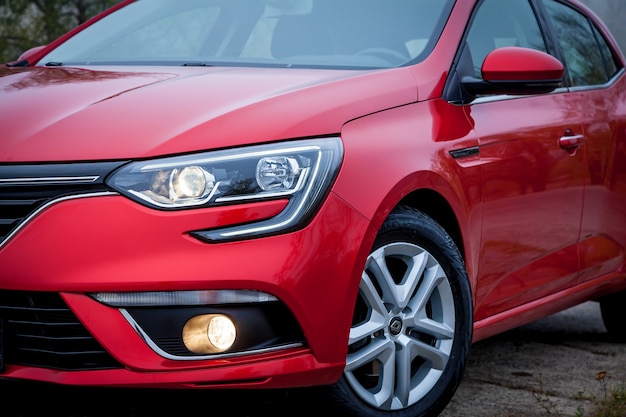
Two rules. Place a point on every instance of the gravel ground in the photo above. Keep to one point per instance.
(547, 368)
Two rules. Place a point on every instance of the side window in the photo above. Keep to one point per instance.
(499, 23)
(588, 57)
(607, 54)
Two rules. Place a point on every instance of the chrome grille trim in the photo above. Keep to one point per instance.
(26, 220)
(29, 188)
(49, 180)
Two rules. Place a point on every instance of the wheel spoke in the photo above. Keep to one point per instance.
(412, 278)
(433, 328)
(382, 351)
(378, 313)
(404, 357)
(398, 292)
(433, 277)
(377, 265)
(437, 357)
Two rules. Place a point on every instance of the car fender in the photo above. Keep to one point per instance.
(412, 147)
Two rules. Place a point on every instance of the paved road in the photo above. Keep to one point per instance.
(508, 376)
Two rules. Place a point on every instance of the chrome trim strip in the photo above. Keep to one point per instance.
(504, 97)
(166, 355)
(49, 180)
(182, 298)
(227, 156)
(48, 204)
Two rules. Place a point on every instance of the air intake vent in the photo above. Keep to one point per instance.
(40, 330)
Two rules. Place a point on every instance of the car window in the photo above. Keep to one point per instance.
(499, 23)
(179, 34)
(588, 57)
(610, 60)
(287, 33)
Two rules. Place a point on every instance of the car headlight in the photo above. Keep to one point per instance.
(300, 171)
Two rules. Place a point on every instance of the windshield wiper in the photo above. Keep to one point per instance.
(54, 64)
(20, 63)
(197, 64)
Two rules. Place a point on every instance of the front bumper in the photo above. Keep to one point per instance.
(110, 244)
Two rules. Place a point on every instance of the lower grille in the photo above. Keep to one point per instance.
(40, 330)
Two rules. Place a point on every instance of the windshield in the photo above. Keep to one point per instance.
(298, 33)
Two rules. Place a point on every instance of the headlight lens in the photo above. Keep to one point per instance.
(301, 171)
(190, 183)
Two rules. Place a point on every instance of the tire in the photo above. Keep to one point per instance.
(613, 310)
(412, 324)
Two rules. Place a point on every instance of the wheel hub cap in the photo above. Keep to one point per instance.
(395, 326)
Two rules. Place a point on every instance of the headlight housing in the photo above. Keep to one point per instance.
(300, 171)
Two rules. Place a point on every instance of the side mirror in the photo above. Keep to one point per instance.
(518, 71)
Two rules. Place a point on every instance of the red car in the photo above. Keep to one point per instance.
(273, 194)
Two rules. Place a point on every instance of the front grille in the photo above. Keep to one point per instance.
(40, 330)
(24, 189)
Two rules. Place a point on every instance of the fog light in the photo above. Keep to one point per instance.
(209, 333)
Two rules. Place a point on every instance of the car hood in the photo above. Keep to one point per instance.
(65, 114)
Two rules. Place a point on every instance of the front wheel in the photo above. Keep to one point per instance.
(613, 310)
(412, 326)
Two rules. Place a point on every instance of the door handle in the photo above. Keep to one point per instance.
(571, 142)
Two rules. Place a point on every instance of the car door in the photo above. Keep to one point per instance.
(595, 75)
(533, 171)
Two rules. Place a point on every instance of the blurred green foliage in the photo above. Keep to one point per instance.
(28, 23)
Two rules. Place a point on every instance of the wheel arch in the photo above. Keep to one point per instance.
(436, 195)
(434, 205)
